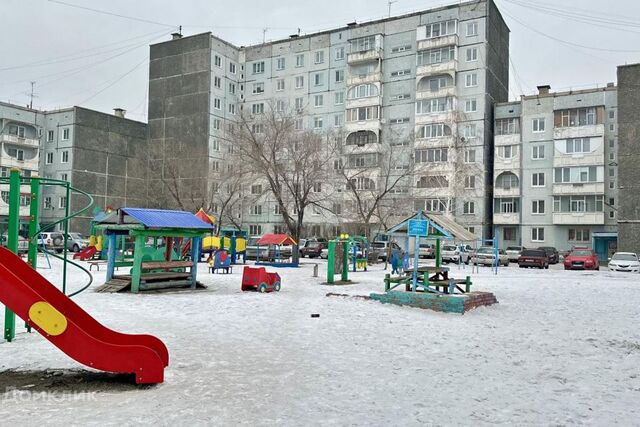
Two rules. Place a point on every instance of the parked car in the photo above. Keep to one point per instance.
(324, 254)
(52, 241)
(533, 258)
(23, 243)
(582, 259)
(427, 250)
(301, 243)
(453, 253)
(552, 253)
(514, 252)
(313, 249)
(383, 247)
(624, 261)
(76, 242)
(252, 249)
(485, 255)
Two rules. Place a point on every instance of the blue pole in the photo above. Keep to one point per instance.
(111, 256)
(416, 253)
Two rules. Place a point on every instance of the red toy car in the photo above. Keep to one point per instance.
(257, 279)
(582, 259)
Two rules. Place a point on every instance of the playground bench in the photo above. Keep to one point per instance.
(96, 264)
(165, 265)
(447, 285)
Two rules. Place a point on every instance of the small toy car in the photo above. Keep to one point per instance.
(257, 279)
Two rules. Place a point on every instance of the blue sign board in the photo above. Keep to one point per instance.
(418, 227)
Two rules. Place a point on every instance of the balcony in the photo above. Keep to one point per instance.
(578, 218)
(16, 140)
(436, 117)
(372, 125)
(501, 164)
(500, 191)
(506, 218)
(449, 67)
(578, 159)
(359, 79)
(364, 102)
(578, 131)
(362, 149)
(443, 141)
(364, 56)
(440, 93)
(578, 188)
(438, 42)
(511, 139)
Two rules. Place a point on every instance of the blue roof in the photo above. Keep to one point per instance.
(160, 218)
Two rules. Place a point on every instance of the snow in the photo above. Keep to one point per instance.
(561, 347)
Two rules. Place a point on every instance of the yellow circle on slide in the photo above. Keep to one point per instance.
(47, 318)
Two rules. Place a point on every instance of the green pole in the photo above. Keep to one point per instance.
(12, 243)
(345, 262)
(34, 214)
(331, 258)
(66, 238)
(136, 270)
(438, 254)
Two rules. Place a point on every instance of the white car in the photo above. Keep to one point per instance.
(624, 261)
(513, 252)
(486, 256)
(324, 253)
(453, 253)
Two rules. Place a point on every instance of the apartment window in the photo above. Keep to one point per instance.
(612, 172)
(363, 91)
(435, 56)
(50, 135)
(612, 127)
(215, 166)
(317, 187)
(257, 108)
(48, 203)
(577, 175)
(576, 117)
(507, 126)
(468, 208)
(258, 88)
(537, 179)
(217, 61)
(62, 202)
(401, 73)
(299, 82)
(435, 205)
(280, 106)
(470, 182)
(300, 60)
(65, 134)
(215, 145)
(612, 143)
(216, 124)
(232, 68)
(64, 176)
(537, 207)
(470, 106)
(612, 214)
(431, 155)
(256, 189)
(232, 88)
(507, 206)
(362, 113)
(507, 151)
(399, 121)
(318, 100)
(299, 103)
(16, 153)
(399, 49)
(469, 131)
(579, 235)
(433, 181)
(612, 201)
(339, 53)
(338, 120)
(612, 114)
(339, 76)
(472, 29)
(232, 108)
(280, 84)
(298, 125)
(64, 156)
(339, 98)
(470, 156)
(472, 54)
(363, 44)
(434, 130)
(538, 125)
(216, 103)
(401, 96)
(338, 165)
(433, 105)
(258, 67)
(257, 128)
(217, 82)
(537, 152)
(16, 130)
(49, 159)
(280, 63)
(471, 80)
(537, 234)
(317, 122)
(439, 29)
(578, 145)
(319, 57)
(317, 79)
(255, 229)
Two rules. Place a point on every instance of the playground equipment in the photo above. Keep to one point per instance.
(15, 181)
(274, 243)
(496, 253)
(338, 259)
(257, 278)
(220, 261)
(359, 260)
(57, 318)
(154, 266)
(86, 253)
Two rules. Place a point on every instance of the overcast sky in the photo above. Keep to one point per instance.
(100, 61)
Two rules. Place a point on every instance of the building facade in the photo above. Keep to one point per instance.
(555, 169)
(421, 86)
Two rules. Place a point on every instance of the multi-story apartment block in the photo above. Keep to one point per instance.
(555, 169)
(421, 86)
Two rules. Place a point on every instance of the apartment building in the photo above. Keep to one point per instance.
(555, 169)
(421, 86)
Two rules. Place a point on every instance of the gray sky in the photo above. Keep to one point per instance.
(80, 57)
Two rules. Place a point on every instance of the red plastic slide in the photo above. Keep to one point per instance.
(85, 253)
(72, 330)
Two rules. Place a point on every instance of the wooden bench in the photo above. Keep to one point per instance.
(165, 265)
(447, 286)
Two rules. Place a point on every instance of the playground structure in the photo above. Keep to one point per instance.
(157, 235)
(338, 258)
(494, 243)
(258, 279)
(274, 243)
(220, 260)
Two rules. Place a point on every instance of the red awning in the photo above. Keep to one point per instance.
(276, 239)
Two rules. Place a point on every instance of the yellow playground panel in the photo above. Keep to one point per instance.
(213, 242)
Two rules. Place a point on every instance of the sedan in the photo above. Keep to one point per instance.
(486, 256)
(582, 259)
(533, 258)
(452, 253)
(552, 253)
(426, 250)
(624, 261)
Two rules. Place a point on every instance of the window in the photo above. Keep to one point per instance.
(339, 53)
(319, 57)
(337, 209)
(65, 134)
(435, 205)
(279, 85)
(339, 76)
(507, 151)
(299, 103)
(50, 135)
(431, 155)
(612, 172)
(401, 96)
(537, 234)
(469, 131)
(399, 121)
(280, 63)
(470, 182)
(217, 61)
(439, 29)
(318, 100)
(472, 29)
(280, 106)
(216, 124)
(317, 122)
(577, 204)
(537, 207)
(16, 153)
(258, 88)
(232, 108)
(468, 208)
(217, 82)
(434, 130)
(579, 235)
(62, 202)
(401, 73)
(471, 80)
(338, 120)
(363, 44)
(258, 67)
(216, 103)
(362, 91)
(300, 60)
(612, 127)
(433, 105)
(317, 187)
(362, 113)
(299, 82)
(470, 156)
(257, 128)
(470, 106)
(16, 130)
(578, 145)
(507, 206)
(472, 54)
(399, 49)
(433, 181)
(232, 68)
(507, 126)
(64, 176)
(232, 88)
(317, 79)
(363, 183)
(47, 202)
(298, 124)
(578, 175)
(64, 156)
(436, 56)
(339, 98)
(509, 234)
(507, 181)
(257, 108)
(255, 229)
(215, 145)
(49, 159)
(537, 152)
(256, 189)
(538, 125)
(576, 117)
(537, 179)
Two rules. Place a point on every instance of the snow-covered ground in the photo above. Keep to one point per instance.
(560, 348)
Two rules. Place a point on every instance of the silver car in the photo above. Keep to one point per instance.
(76, 242)
(486, 256)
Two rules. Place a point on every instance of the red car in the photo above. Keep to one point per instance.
(533, 258)
(258, 279)
(582, 259)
